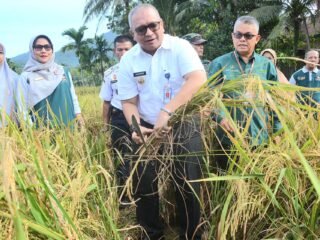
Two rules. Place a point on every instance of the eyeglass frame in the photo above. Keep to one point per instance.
(38, 47)
(144, 28)
(247, 35)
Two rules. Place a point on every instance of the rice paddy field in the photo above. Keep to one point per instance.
(60, 184)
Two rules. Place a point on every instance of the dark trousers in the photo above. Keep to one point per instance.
(221, 157)
(187, 152)
(120, 140)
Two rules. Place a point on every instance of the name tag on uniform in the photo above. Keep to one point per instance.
(301, 78)
(138, 74)
(38, 78)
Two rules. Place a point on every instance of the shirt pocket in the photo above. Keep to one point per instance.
(141, 82)
(176, 82)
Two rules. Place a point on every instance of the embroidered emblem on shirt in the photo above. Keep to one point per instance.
(301, 78)
(141, 80)
(114, 79)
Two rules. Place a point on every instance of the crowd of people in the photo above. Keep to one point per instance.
(156, 74)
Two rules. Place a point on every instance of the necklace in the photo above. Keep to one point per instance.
(240, 67)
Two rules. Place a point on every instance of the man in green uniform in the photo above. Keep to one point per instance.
(198, 42)
(308, 76)
(242, 63)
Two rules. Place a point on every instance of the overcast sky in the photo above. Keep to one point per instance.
(21, 20)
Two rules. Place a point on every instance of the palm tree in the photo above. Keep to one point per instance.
(78, 44)
(98, 8)
(100, 52)
(291, 13)
(168, 11)
(104, 8)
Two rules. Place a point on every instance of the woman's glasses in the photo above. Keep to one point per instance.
(38, 48)
(247, 36)
(141, 30)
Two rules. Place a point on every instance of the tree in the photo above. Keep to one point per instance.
(14, 66)
(100, 52)
(291, 13)
(79, 44)
(112, 10)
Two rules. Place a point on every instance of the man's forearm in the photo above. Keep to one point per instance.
(106, 112)
(130, 108)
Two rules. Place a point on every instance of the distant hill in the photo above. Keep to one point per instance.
(68, 58)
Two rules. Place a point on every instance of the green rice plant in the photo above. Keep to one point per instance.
(63, 182)
(60, 183)
(270, 191)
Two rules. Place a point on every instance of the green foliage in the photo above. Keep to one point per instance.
(13, 66)
(291, 14)
(214, 19)
(92, 54)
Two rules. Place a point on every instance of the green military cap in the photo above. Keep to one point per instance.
(194, 38)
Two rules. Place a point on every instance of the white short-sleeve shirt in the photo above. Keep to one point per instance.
(146, 75)
(109, 88)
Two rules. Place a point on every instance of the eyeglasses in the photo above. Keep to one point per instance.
(46, 47)
(141, 30)
(247, 36)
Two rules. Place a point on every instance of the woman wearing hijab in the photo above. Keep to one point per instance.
(45, 89)
(8, 80)
(272, 56)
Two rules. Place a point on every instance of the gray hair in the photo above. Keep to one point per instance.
(138, 7)
(311, 50)
(247, 20)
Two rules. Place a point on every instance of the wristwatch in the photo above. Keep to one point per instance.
(167, 111)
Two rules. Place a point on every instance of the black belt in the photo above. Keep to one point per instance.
(116, 111)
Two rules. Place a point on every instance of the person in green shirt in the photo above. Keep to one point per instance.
(308, 76)
(242, 63)
(45, 91)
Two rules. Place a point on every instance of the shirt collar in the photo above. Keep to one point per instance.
(253, 56)
(166, 44)
(305, 70)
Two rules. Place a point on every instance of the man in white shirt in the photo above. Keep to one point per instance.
(158, 75)
(112, 109)
(308, 76)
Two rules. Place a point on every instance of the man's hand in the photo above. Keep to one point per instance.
(226, 125)
(145, 132)
(161, 127)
